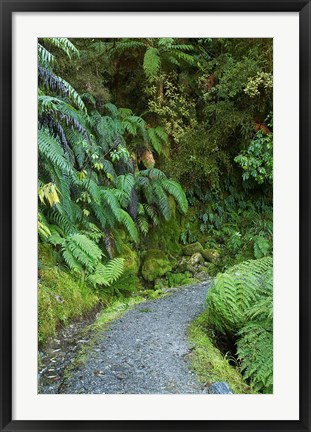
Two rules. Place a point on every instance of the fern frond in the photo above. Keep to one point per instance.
(240, 304)
(153, 173)
(234, 292)
(124, 45)
(111, 200)
(174, 189)
(151, 213)
(162, 200)
(143, 224)
(58, 84)
(44, 56)
(62, 221)
(50, 149)
(152, 63)
(84, 251)
(157, 137)
(112, 109)
(106, 274)
(126, 183)
(188, 58)
(129, 224)
(255, 351)
(71, 261)
(64, 44)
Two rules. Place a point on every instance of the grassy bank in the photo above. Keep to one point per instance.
(208, 362)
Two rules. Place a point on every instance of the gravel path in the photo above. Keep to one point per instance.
(145, 351)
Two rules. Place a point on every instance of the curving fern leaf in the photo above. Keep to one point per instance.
(188, 58)
(255, 351)
(157, 138)
(152, 63)
(50, 149)
(110, 198)
(58, 84)
(153, 173)
(151, 213)
(84, 251)
(143, 224)
(44, 56)
(129, 224)
(124, 45)
(106, 274)
(126, 183)
(162, 200)
(64, 44)
(174, 189)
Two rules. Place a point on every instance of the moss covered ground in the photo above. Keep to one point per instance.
(208, 362)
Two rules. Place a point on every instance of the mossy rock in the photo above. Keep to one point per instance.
(196, 259)
(202, 273)
(211, 255)
(131, 260)
(184, 265)
(155, 265)
(192, 248)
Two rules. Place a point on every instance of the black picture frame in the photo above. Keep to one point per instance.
(7, 9)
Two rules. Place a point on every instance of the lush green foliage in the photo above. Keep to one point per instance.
(90, 187)
(240, 306)
(233, 223)
(257, 160)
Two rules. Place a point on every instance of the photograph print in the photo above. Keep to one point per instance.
(155, 216)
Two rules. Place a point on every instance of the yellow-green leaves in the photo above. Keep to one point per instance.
(48, 192)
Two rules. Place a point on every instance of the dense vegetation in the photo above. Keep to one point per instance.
(155, 170)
